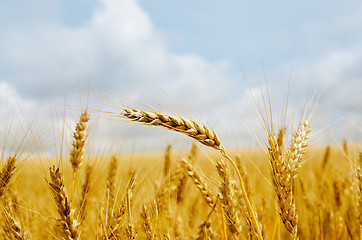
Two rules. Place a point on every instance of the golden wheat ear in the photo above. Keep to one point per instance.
(285, 165)
(192, 129)
(229, 199)
(68, 222)
(79, 137)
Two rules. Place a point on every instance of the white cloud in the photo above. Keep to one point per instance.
(120, 49)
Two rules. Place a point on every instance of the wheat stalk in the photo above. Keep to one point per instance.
(199, 132)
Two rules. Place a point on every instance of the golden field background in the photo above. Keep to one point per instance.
(327, 205)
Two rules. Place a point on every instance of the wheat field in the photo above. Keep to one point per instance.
(289, 189)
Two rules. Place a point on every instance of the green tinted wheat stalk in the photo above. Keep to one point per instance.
(199, 132)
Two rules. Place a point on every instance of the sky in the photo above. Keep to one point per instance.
(210, 61)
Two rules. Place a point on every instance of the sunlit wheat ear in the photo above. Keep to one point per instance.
(79, 137)
(283, 184)
(285, 167)
(190, 128)
(68, 222)
(298, 146)
(199, 132)
(6, 174)
(228, 199)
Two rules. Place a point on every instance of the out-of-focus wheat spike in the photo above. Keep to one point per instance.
(13, 229)
(146, 225)
(79, 137)
(181, 185)
(243, 174)
(68, 223)
(326, 157)
(111, 178)
(199, 183)
(205, 231)
(337, 191)
(167, 161)
(193, 151)
(6, 174)
(228, 199)
(85, 192)
(345, 148)
(182, 175)
(177, 229)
